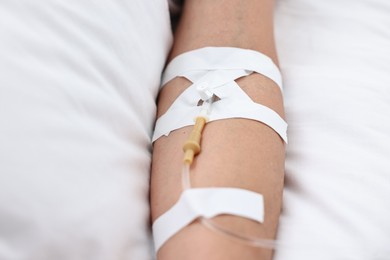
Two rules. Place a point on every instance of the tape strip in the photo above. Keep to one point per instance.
(221, 58)
(234, 103)
(218, 67)
(208, 203)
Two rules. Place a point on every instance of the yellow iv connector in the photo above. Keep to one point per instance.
(192, 145)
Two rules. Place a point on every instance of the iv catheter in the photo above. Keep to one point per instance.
(213, 71)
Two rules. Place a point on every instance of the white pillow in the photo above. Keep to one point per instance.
(335, 58)
(78, 82)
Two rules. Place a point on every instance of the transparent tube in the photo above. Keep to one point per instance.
(251, 241)
(185, 177)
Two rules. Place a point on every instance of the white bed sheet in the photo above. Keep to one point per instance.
(78, 83)
(335, 60)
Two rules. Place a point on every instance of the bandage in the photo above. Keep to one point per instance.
(214, 95)
(212, 71)
(208, 203)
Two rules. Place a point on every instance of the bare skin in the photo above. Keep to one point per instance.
(235, 152)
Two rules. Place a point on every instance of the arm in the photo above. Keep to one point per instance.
(235, 152)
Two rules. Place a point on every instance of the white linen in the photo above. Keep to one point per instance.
(335, 61)
(78, 82)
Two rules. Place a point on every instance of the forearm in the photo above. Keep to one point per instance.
(235, 23)
(235, 152)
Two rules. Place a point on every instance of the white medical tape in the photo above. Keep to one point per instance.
(218, 67)
(207, 202)
(222, 58)
(234, 103)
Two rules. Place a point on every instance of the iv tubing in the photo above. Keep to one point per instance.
(191, 148)
(252, 241)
